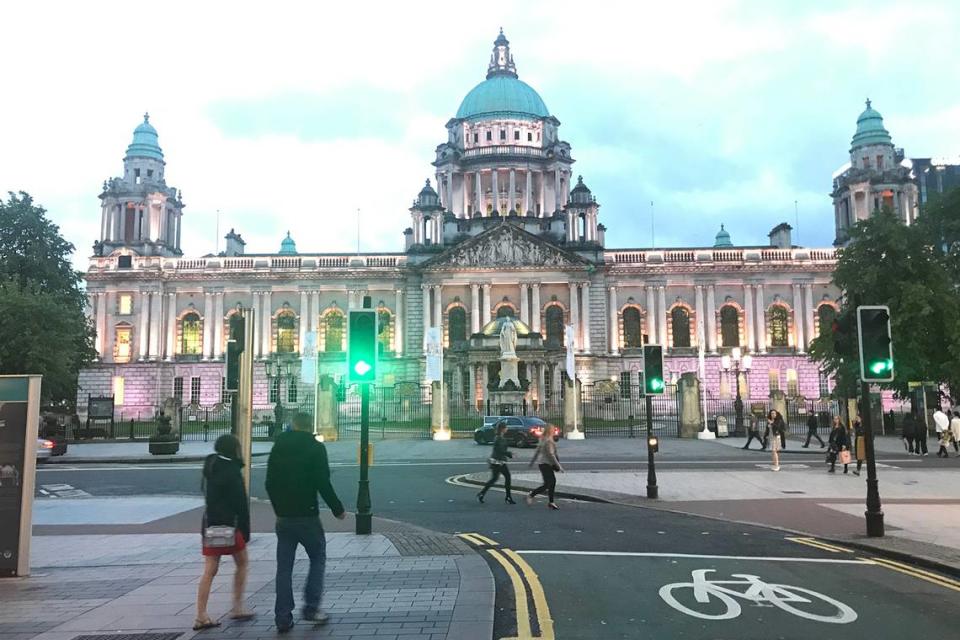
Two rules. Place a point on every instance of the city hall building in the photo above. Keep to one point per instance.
(507, 227)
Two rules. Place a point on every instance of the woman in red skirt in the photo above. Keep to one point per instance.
(227, 506)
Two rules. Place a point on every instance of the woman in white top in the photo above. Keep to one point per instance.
(549, 464)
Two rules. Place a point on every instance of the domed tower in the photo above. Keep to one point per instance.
(139, 211)
(287, 246)
(503, 155)
(427, 215)
(874, 179)
(722, 239)
(581, 215)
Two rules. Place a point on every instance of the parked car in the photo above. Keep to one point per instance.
(44, 449)
(522, 431)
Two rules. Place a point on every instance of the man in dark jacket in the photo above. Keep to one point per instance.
(296, 472)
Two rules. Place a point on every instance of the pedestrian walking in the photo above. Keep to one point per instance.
(812, 425)
(226, 527)
(909, 431)
(944, 442)
(955, 431)
(549, 465)
(942, 425)
(498, 463)
(297, 471)
(839, 445)
(859, 441)
(777, 428)
(753, 433)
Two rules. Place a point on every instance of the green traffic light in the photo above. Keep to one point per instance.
(656, 384)
(881, 366)
(361, 367)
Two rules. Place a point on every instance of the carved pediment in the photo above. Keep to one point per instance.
(506, 246)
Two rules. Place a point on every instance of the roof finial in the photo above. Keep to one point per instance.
(428, 182)
(721, 226)
(146, 116)
(868, 103)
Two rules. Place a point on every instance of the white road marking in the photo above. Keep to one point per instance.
(651, 554)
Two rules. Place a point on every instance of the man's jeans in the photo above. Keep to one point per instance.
(309, 533)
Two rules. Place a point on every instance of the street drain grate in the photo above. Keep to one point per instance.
(796, 492)
(131, 636)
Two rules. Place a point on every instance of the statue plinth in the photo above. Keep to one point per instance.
(509, 370)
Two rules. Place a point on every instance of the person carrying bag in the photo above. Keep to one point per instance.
(498, 464)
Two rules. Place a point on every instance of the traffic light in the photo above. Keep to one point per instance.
(362, 345)
(234, 349)
(653, 369)
(876, 349)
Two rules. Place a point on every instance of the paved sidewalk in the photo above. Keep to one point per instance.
(882, 445)
(136, 452)
(378, 585)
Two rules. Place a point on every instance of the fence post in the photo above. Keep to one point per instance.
(131, 428)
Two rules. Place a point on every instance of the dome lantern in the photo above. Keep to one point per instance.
(722, 240)
(145, 142)
(870, 129)
(287, 246)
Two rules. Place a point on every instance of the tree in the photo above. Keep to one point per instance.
(900, 266)
(43, 327)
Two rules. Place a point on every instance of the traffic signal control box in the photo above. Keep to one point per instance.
(362, 345)
(234, 349)
(653, 383)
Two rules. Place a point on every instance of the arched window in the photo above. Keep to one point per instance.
(506, 311)
(632, 332)
(191, 341)
(286, 333)
(729, 326)
(457, 326)
(554, 322)
(779, 326)
(333, 331)
(680, 321)
(384, 331)
(826, 314)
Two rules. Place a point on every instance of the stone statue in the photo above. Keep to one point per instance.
(508, 339)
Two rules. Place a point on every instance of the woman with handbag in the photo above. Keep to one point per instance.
(839, 444)
(549, 465)
(860, 444)
(226, 526)
(498, 464)
(778, 429)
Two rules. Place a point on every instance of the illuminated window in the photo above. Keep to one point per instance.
(333, 331)
(191, 341)
(286, 333)
(274, 390)
(125, 304)
(729, 326)
(774, 380)
(384, 331)
(122, 343)
(793, 383)
(779, 327)
(625, 385)
(632, 334)
(118, 390)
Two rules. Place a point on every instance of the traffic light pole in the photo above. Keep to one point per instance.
(874, 513)
(364, 516)
(652, 491)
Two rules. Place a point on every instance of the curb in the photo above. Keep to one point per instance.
(130, 460)
(893, 554)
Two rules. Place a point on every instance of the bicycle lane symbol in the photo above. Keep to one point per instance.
(785, 597)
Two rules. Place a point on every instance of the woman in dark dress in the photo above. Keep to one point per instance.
(227, 505)
(838, 442)
(498, 464)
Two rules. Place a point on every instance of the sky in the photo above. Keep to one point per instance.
(294, 116)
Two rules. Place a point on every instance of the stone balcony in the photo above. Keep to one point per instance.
(251, 263)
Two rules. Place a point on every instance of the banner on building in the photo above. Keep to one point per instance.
(434, 351)
(308, 360)
(570, 335)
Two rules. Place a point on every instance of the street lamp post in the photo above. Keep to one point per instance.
(738, 363)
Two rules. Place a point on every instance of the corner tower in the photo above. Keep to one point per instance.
(503, 155)
(140, 213)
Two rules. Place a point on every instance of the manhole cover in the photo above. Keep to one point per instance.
(131, 636)
(796, 492)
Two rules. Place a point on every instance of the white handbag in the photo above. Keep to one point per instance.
(219, 536)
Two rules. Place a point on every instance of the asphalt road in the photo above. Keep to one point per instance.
(605, 570)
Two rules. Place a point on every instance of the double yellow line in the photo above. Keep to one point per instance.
(906, 569)
(526, 588)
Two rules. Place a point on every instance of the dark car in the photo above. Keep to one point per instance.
(56, 434)
(522, 431)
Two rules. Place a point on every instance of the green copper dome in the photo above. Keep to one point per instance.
(502, 96)
(145, 142)
(288, 247)
(722, 241)
(870, 129)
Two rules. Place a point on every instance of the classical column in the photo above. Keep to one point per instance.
(474, 308)
(575, 314)
(556, 189)
(513, 190)
(524, 303)
(171, 327)
(541, 384)
(527, 191)
(438, 306)
(315, 314)
(465, 188)
(486, 304)
(808, 312)
(698, 305)
(711, 319)
(448, 201)
(585, 316)
(798, 320)
(257, 325)
(472, 373)
(155, 317)
(479, 193)
(485, 378)
(495, 190)
(541, 195)
(207, 325)
(614, 314)
(425, 290)
(536, 311)
(267, 330)
(352, 296)
(398, 322)
(651, 315)
(218, 327)
(98, 310)
(662, 314)
(121, 223)
(750, 333)
(761, 321)
(304, 319)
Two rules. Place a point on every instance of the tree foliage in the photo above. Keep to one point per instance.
(908, 269)
(43, 327)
